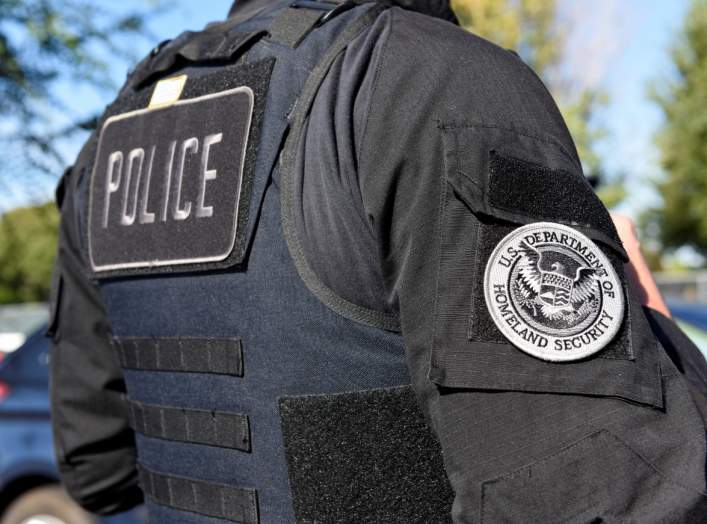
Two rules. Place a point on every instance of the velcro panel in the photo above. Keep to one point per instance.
(364, 456)
(555, 195)
(223, 356)
(213, 500)
(213, 428)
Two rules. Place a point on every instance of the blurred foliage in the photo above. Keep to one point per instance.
(43, 42)
(533, 29)
(681, 218)
(28, 238)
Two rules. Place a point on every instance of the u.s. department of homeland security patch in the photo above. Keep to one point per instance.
(553, 293)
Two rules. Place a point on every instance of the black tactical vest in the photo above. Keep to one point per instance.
(251, 400)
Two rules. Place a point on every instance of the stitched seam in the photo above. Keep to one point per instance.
(440, 240)
(549, 140)
(374, 90)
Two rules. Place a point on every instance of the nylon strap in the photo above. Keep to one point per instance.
(196, 426)
(223, 356)
(205, 498)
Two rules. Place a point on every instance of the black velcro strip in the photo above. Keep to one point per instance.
(214, 500)
(196, 426)
(363, 457)
(519, 186)
(222, 356)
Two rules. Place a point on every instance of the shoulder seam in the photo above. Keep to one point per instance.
(374, 89)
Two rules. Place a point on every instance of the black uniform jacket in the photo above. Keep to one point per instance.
(424, 146)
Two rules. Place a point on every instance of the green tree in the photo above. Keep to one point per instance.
(27, 245)
(533, 29)
(681, 218)
(42, 43)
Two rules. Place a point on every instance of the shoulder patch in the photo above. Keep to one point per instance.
(553, 293)
(166, 184)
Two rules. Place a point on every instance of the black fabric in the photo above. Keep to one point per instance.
(94, 445)
(549, 490)
(216, 45)
(363, 457)
(419, 124)
(293, 24)
(686, 357)
(197, 426)
(213, 500)
(437, 8)
(223, 356)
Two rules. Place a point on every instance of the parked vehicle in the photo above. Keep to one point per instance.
(692, 319)
(30, 492)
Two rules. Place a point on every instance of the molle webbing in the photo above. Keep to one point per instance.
(223, 356)
(196, 426)
(215, 500)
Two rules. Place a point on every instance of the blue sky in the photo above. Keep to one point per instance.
(631, 118)
(615, 45)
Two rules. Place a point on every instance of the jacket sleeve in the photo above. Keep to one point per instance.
(462, 144)
(686, 356)
(94, 445)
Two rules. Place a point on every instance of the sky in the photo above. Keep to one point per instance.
(619, 46)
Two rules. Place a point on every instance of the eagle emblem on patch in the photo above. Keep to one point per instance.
(553, 293)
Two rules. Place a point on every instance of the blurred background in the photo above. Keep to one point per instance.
(630, 77)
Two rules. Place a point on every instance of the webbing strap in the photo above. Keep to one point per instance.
(223, 356)
(196, 426)
(214, 500)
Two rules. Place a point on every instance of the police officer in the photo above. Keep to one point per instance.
(337, 262)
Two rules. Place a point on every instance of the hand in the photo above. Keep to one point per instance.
(637, 269)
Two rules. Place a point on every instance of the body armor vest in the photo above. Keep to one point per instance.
(252, 401)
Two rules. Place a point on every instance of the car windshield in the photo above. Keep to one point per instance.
(29, 365)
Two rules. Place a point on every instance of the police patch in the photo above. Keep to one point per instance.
(166, 184)
(553, 293)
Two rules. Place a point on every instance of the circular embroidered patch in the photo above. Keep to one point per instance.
(553, 293)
